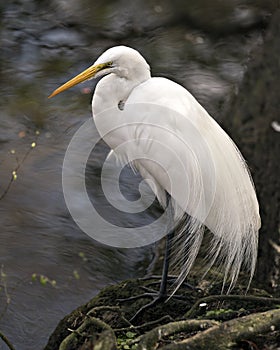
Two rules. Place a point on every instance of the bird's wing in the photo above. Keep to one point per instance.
(172, 140)
(205, 173)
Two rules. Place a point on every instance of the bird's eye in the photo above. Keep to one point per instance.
(109, 64)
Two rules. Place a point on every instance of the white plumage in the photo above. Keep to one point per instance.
(205, 173)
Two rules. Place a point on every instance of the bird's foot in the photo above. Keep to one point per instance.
(156, 299)
(155, 296)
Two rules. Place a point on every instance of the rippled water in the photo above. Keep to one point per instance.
(42, 45)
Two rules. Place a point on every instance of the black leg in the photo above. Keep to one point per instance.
(168, 247)
(162, 295)
(165, 268)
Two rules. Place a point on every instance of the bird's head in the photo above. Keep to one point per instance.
(121, 60)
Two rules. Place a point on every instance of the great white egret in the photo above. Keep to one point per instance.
(219, 192)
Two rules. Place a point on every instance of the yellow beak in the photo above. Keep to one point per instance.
(85, 75)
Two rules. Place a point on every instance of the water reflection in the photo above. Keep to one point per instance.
(42, 45)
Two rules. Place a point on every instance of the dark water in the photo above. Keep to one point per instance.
(43, 44)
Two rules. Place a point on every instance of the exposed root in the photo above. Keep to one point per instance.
(150, 340)
(250, 298)
(226, 335)
(86, 334)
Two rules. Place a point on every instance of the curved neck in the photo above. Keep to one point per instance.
(113, 89)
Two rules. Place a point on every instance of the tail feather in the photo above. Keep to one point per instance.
(233, 217)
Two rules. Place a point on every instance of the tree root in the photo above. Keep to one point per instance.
(225, 335)
(86, 332)
(150, 339)
(249, 298)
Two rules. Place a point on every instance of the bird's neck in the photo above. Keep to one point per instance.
(112, 91)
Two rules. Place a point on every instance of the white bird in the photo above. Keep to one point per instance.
(205, 175)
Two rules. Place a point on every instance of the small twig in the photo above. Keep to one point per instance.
(116, 309)
(96, 309)
(149, 290)
(19, 164)
(135, 297)
(171, 279)
(274, 245)
(212, 298)
(8, 297)
(149, 293)
(146, 324)
(7, 188)
(6, 341)
(156, 277)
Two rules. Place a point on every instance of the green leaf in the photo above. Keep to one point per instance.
(130, 335)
